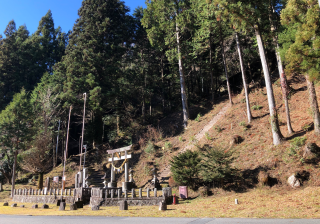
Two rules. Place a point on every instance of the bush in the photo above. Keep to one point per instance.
(298, 141)
(185, 168)
(167, 145)
(207, 136)
(256, 107)
(218, 128)
(216, 164)
(203, 191)
(198, 117)
(150, 148)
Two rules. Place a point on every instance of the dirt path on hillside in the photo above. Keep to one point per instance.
(165, 173)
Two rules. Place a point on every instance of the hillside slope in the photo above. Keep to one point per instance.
(256, 152)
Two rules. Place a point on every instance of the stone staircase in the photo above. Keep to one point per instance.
(95, 178)
(164, 174)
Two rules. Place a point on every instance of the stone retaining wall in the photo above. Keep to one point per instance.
(46, 199)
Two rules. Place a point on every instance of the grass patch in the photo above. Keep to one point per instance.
(258, 203)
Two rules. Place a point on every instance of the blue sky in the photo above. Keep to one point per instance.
(29, 12)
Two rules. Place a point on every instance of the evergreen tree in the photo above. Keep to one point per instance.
(185, 168)
(274, 22)
(92, 63)
(216, 164)
(301, 41)
(249, 14)
(49, 45)
(16, 129)
(171, 18)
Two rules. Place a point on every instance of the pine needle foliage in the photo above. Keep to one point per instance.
(216, 164)
(185, 168)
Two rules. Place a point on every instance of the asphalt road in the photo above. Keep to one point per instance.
(10, 219)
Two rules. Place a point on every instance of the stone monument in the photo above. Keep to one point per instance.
(155, 182)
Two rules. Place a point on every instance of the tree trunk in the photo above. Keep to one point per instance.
(244, 79)
(7, 176)
(283, 80)
(225, 65)
(211, 72)
(182, 82)
(284, 88)
(314, 105)
(163, 87)
(14, 173)
(271, 102)
(40, 181)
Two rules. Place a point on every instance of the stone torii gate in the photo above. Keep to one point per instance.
(125, 157)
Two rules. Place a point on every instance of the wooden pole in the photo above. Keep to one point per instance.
(65, 152)
(84, 114)
(56, 159)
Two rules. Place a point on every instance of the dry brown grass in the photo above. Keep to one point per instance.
(257, 203)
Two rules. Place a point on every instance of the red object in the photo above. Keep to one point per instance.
(174, 199)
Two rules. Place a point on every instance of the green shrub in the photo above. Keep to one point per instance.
(298, 141)
(242, 123)
(185, 168)
(243, 100)
(207, 136)
(167, 145)
(180, 139)
(150, 148)
(218, 128)
(216, 164)
(256, 107)
(198, 117)
(193, 138)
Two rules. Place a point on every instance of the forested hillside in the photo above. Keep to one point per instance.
(139, 70)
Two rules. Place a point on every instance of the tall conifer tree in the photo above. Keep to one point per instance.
(301, 43)
(92, 63)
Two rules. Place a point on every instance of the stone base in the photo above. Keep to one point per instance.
(126, 186)
(112, 184)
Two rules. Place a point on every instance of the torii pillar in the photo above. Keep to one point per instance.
(113, 183)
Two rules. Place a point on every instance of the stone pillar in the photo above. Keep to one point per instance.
(69, 192)
(123, 205)
(112, 193)
(65, 192)
(107, 193)
(148, 193)
(74, 192)
(126, 172)
(48, 183)
(54, 192)
(119, 193)
(140, 192)
(155, 192)
(126, 194)
(76, 181)
(1, 189)
(112, 182)
(133, 192)
(162, 206)
(79, 179)
(62, 206)
(84, 176)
